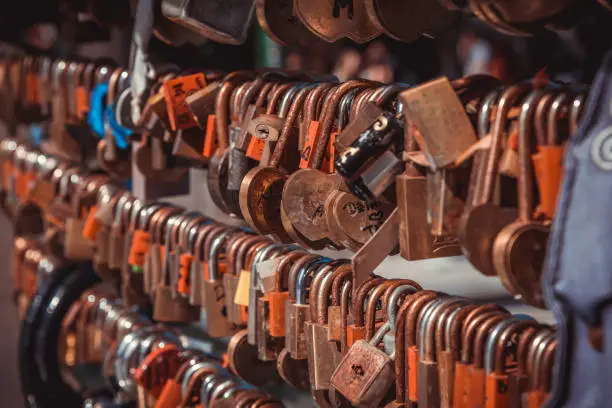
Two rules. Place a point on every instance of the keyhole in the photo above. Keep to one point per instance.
(344, 4)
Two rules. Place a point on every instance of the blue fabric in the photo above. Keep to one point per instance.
(95, 117)
(120, 133)
(37, 134)
(577, 281)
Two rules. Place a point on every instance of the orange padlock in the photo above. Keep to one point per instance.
(476, 393)
(279, 295)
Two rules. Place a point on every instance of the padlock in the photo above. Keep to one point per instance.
(501, 359)
(278, 296)
(518, 382)
(357, 330)
(217, 324)
(323, 355)
(471, 355)
(537, 394)
(255, 293)
(365, 374)
(409, 324)
(428, 380)
(447, 348)
(334, 312)
(296, 311)
(167, 307)
(236, 313)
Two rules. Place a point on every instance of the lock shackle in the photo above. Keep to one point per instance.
(423, 340)
(214, 253)
(475, 312)
(393, 302)
(297, 266)
(203, 232)
(125, 354)
(189, 383)
(391, 288)
(69, 178)
(172, 224)
(210, 383)
(86, 78)
(279, 91)
(524, 187)
(506, 102)
(432, 323)
(576, 112)
(281, 277)
(251, 252)
(225, 389)
(547, 365)
(126, 349)
(344, 108)
(371, 307)
(358, 301)
(485, 111)
(315, 96)
(323, 297)
(416, 304)
(480, 340)
(499, 337)
(210, 237)
(534, 349)
(143, 217)
(251, 243)
(156, 340)
(110, 316)
(526, 346)
(361, 98)
(188, 238)
(445, 322)
(188, 219)
(338, 284)
(315, 288)
(106, 192)
(329, 115)
(541, 110)
(313, 268)
(554, 117)
(102, 74)
(222, 104)
(249, 96)
(291, 94)
(469, 334)
(160, 225)
(58, 68)
(319, 294)
(291, 113)
(210, 366)
(47, 165)
(262, 255)
(132, 217)
(537, 353)
(119, 202)
(234, 101)
(233, 246)
(31, 160)
(220, 387)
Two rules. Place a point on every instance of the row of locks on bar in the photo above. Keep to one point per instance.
(291, 316)
(440, 169)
